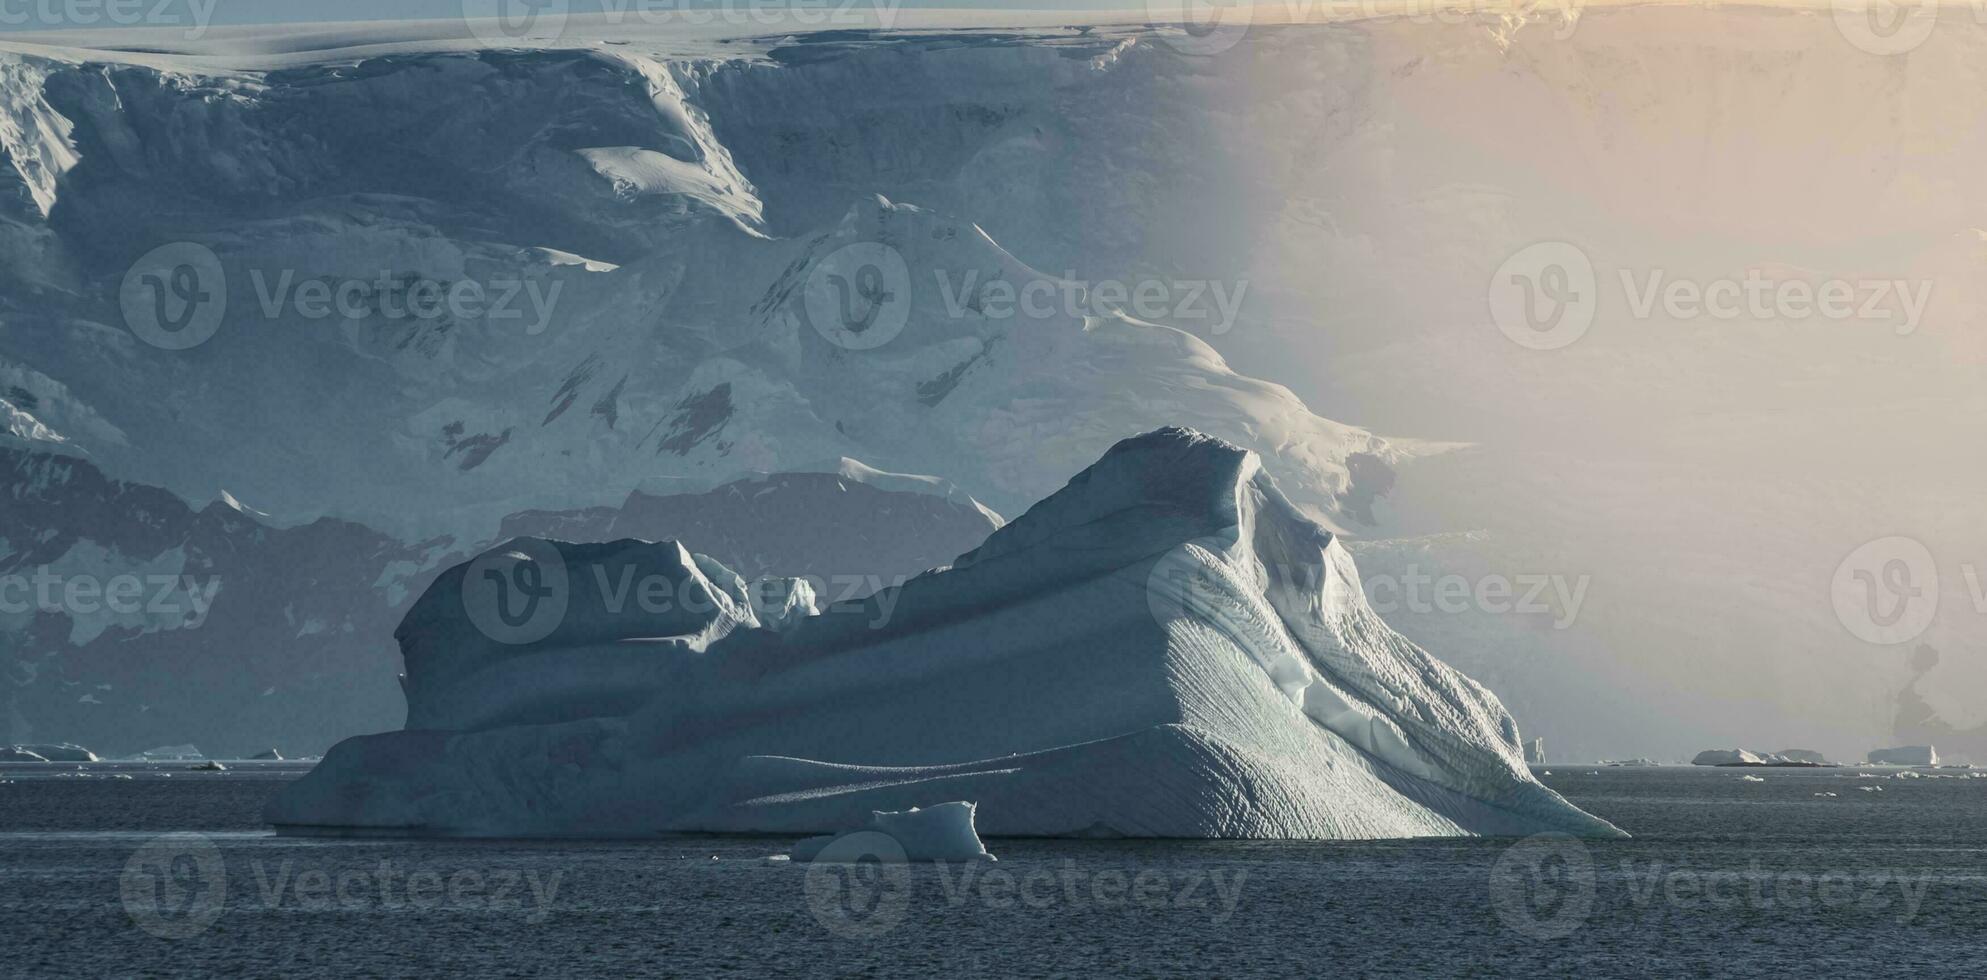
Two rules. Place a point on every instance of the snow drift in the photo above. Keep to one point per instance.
(1166, 647)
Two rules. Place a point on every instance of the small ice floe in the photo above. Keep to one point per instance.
(1871, 789)
(943, 832)
(1826, 794)
(1751, 779)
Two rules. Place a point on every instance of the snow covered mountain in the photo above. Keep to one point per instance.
(563, 281)
(1166, 647)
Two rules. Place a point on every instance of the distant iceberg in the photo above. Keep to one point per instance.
(171, 752)
(1728, 757)
(1909, 755)
(58, 752)
(1165, 647)
(1792, 758)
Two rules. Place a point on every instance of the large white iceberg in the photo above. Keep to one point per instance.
(1165, 647)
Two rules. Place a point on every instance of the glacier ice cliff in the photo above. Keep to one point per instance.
(1166, 647)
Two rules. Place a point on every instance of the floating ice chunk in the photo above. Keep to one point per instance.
(936, 833)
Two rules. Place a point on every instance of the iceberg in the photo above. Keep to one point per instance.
(1909, 755)
(1166, 647)
(1790, 759)
(939, 833)
(1728, 757)
(60, 752)
(170, 753)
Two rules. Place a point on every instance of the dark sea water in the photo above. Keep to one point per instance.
(172, 875)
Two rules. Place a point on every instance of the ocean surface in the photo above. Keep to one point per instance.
(1843, 872)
